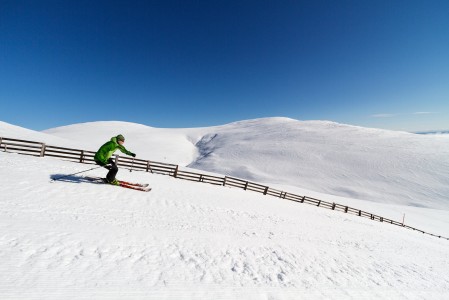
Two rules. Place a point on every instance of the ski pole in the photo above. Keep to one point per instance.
(54, 179)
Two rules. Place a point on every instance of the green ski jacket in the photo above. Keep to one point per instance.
(105, 152)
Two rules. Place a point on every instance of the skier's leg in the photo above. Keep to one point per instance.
(112, 172)
(106, 166)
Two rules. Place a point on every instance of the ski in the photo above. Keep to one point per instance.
(144, 187)
(134, 187)
(134, 183)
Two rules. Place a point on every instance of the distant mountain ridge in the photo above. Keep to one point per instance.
(434, 132)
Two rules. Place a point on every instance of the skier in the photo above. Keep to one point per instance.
(103, 157)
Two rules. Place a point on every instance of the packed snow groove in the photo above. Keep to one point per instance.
(85, 156)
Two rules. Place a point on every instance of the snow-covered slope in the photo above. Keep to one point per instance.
(321, 156)
(185, 240)
(16, 132)
(157, 144)
(363, 163)
(379, 165)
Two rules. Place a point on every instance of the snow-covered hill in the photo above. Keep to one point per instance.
(383, 166)
(157, 144)
(185, 240)
(17, 132)
(326, 157)
(321, 156)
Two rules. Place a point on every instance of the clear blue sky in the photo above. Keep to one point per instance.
(200, 63)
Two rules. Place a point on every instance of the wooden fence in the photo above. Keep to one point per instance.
(87, 157)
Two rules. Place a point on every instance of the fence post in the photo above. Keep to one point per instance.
(346, 209)
(333, 206)
(246, 186)
(82, 156)
(303, 198)
(42, 150)
(116, 159)
(224, 181)
(319, 202)
(201, 177)
(176, 172)
(265, 191)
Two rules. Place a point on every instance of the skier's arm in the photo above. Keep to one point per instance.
(123, 150)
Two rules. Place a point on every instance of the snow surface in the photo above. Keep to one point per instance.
(326, 157)
(185, 240)
(16, 132)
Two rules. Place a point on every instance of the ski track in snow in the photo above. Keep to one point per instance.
(185, 240)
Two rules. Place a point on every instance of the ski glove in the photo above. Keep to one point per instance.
(133, 154)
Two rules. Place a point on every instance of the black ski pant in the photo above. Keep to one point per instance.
(112, 167)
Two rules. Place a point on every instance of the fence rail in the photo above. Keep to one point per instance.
(87, 157)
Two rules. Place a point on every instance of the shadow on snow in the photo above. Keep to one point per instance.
(75, 179)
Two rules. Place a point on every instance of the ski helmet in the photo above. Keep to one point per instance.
(120, 138)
